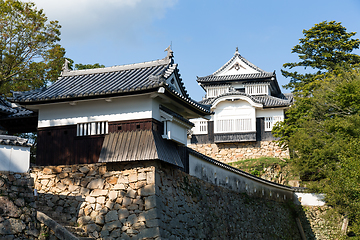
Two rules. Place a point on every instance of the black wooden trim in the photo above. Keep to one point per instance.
(235, 137)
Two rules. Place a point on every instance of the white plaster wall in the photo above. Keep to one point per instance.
(220, 176)
(14, 158)
(269, 112)
(310, 199)
(244, 69)
(235, 109)
(177, 132)
(118, 109)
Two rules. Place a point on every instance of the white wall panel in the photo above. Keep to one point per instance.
(118, 109)
(14, 158)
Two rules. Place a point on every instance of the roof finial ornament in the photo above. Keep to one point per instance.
(236, 51)
(65, 67)
(170, 54)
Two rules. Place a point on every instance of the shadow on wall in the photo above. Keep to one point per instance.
(63, 209)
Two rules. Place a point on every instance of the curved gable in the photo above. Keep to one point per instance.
(235, 97)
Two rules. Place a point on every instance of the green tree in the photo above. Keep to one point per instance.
(29, 54)
(326, 143)
(80, 66)
(324, 47)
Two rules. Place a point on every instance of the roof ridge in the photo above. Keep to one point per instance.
(157, 62)
(247, 62)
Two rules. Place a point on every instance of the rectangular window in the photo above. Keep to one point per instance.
(216, 91)
(200, 126)
(234, 125)
(270, 122)
(257, 89)
(92, 128)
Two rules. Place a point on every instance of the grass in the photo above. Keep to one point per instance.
(256, 166)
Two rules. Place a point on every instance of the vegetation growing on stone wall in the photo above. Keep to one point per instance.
(276, 170)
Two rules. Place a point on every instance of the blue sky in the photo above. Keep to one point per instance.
(203, 33)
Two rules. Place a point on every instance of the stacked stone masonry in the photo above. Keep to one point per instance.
(152, 200)
(113, 201)
(17, 207)
(232, 152)
(145, 200)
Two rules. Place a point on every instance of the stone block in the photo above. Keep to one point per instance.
(100, 219)
(149, 233)
(152, 223)
(112, 180)
(100, 200)
(147, 190)
(131, 193)
(109, 205)
(98, 192)
(123, 213)
(83, 220)
(90, 199)
(90, 228)
(113, 195)
(150, 178)
(11, 226)
(141, 176)
(112, 225)
(119, 186)
(132, 219)
(96, 184)
(111, 216)
(150, 202)
(115, 234)
(84, 169)
(126, 201)
(148, 215)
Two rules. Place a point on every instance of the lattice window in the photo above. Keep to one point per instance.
(257, 89)
(92, 128)
(201, 127)
(216, 91)
(234, 125)
(270, 122)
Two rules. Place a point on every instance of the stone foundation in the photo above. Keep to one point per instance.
(232, 152)
(17, 207)
(110, 201)
(153, 200)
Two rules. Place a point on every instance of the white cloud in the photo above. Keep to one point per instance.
(112, 19)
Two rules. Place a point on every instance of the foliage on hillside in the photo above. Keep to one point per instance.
(322, 127)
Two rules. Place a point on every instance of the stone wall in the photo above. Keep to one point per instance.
(321, 222)
(110, 201)
(193, 209)
(232, 152)
(153, 200)
(17, 208)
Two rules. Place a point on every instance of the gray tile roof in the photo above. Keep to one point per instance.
(139, 145)
(237, 77)
(267, 101)
(5, 107)
(110, 81)
(13, 140)
(7, 110)
(213, 78)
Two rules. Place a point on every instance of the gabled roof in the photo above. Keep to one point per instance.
(112, 81)
(283, 100)
(237, 69)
